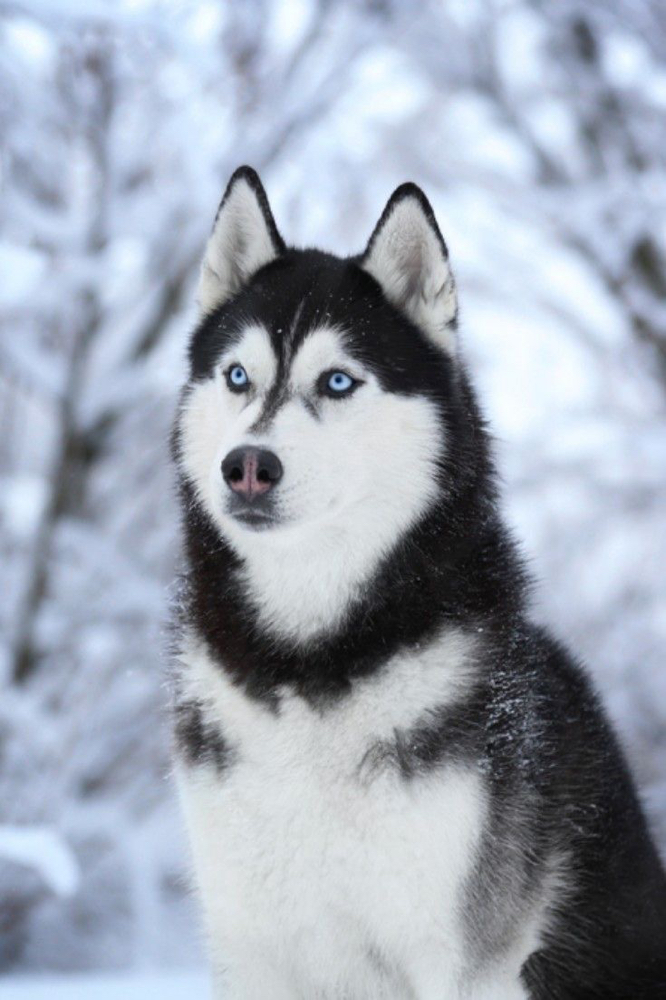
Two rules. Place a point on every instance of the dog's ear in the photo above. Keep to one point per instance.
(407, 255)
(244, 238)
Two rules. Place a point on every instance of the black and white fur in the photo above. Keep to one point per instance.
(396, 785)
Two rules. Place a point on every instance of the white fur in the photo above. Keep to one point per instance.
(238, 246)
(322, 880)
(343, 506)
(406, 258)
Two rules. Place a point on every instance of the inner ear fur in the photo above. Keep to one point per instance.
(407, 255)
(244, 239)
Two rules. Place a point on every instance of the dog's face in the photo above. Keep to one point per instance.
(314, 409)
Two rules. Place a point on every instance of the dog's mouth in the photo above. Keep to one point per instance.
(256, 520)
(259, 513)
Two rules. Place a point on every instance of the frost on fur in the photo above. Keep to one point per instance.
(244, 238)
(407, 255)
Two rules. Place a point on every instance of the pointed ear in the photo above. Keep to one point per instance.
(244, 238)
(407, 255)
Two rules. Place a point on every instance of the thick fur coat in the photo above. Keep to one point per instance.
(396, 785)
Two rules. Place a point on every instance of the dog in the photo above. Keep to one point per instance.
(396, 784)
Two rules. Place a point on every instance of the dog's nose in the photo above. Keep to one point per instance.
(251, 472)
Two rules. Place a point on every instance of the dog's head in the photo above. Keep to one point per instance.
(319, 412)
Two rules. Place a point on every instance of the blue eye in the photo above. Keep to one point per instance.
(237, 379)
(339, 383)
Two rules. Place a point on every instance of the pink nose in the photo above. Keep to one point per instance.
(251, 472)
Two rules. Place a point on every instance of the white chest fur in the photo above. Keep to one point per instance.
(322, 877)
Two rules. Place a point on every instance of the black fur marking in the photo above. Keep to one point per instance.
(311, 408)
(450, 734)
(199, 740)
(276, 397)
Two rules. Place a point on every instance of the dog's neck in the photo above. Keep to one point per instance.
(303, 592)
(303, 582)
(328, 618)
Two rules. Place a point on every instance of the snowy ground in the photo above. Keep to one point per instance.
(176, 987)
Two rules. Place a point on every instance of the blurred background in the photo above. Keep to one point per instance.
(537, 130)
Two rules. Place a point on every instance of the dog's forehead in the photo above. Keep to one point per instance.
(289, 354)
(324, 347)
(255, 349)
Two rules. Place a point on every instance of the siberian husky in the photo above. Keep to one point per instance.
(396, 785)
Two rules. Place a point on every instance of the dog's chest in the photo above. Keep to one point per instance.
(312, 845)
